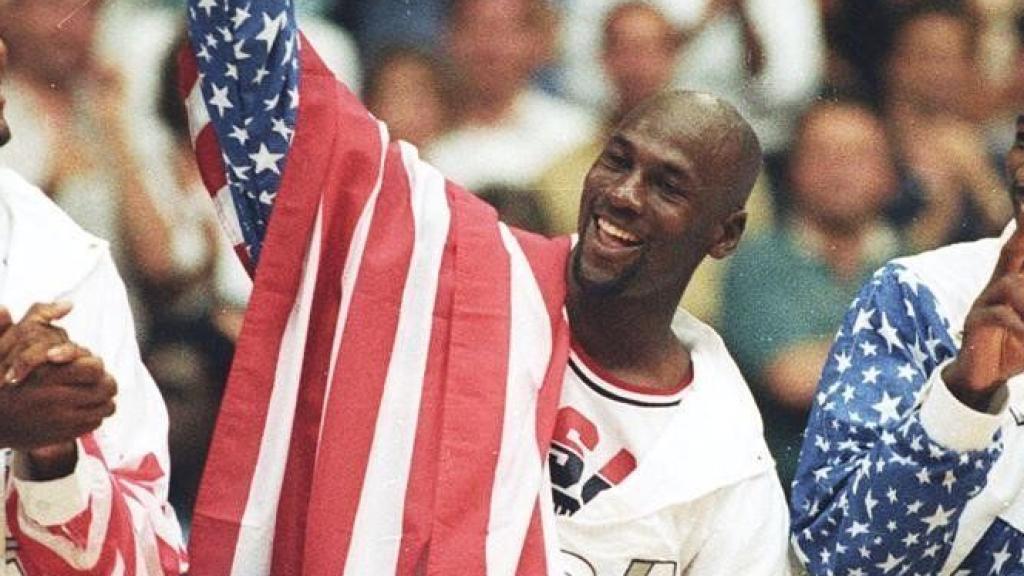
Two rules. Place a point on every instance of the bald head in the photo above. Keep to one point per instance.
(723, 147)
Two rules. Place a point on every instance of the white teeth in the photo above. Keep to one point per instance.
(616, 232)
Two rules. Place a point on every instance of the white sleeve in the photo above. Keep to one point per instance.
(749, 534)
(955, 425)
(113, 507)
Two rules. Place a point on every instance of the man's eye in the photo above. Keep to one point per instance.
(614, 161)
(670, 186)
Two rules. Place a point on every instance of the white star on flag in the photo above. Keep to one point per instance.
(265, 159)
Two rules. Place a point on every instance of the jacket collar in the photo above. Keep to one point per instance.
(714, 441)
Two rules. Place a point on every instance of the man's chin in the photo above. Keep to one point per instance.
(590, 286)
(5, 133)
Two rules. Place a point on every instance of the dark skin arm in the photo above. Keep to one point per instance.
(54, 391)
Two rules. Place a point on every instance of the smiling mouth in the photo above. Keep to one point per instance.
(610, 233)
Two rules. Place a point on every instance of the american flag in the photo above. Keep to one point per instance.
(247, 91)
(397, 376)
(875, 494)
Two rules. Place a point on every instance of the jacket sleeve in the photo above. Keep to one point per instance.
(749, 533)
(111, 515)
(890, 457)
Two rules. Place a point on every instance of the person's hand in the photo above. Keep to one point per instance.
(56, 404)
(33, 341)
(993, 342)
(52, 391)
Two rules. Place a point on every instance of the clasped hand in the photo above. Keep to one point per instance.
(52, 390)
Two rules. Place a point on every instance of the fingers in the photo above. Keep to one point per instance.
(1007, 290)
(47, 312)
(38, 353)
(57, 404)
(5, 319)
(1011, 257)
(23, 346)
(66, 352)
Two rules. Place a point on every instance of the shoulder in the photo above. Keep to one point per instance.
(955, 274)
(33, 213)
(47, 251)
(719, 383)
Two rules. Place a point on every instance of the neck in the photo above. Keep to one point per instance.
(631, 338)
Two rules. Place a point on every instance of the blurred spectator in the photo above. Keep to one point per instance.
(931, 86)
(857, 35)
(408, 89)
(786, 290)
(380, 24)
(506, 131)
(766, 56)
(67, 107)
(1003, 48)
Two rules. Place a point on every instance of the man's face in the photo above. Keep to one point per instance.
(841, 168)
(639, 54)
(53, 40)
(651, 205)
(1015, 169)
(932, 65)
(494, 45)
(5, 130)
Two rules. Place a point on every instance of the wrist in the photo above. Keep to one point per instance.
(977, 395)
(52, 462)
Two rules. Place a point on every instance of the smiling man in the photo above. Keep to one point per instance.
(420, 389)
(913, 461)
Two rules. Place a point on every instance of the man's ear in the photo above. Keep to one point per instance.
(728, 234)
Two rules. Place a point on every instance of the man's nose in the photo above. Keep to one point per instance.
(627, 192)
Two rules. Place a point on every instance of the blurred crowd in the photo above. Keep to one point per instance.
(883, 124)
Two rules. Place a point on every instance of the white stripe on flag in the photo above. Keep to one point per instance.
(256, 536)
(198, 115)
(377, 531)
(519, 474)
(547, 518)
(224, 203)
(351, 272)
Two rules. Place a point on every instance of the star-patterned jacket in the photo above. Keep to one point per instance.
(896, 476)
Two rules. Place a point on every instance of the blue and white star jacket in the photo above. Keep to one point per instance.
(896, 476)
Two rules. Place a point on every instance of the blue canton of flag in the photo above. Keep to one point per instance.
(249, 77)
(875, 494)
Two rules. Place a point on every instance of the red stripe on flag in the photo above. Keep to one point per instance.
(208, 156)
(188, 70)
(362, 366)
(339, 221)
(419, 498)
(474, 399)
(236, 443)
